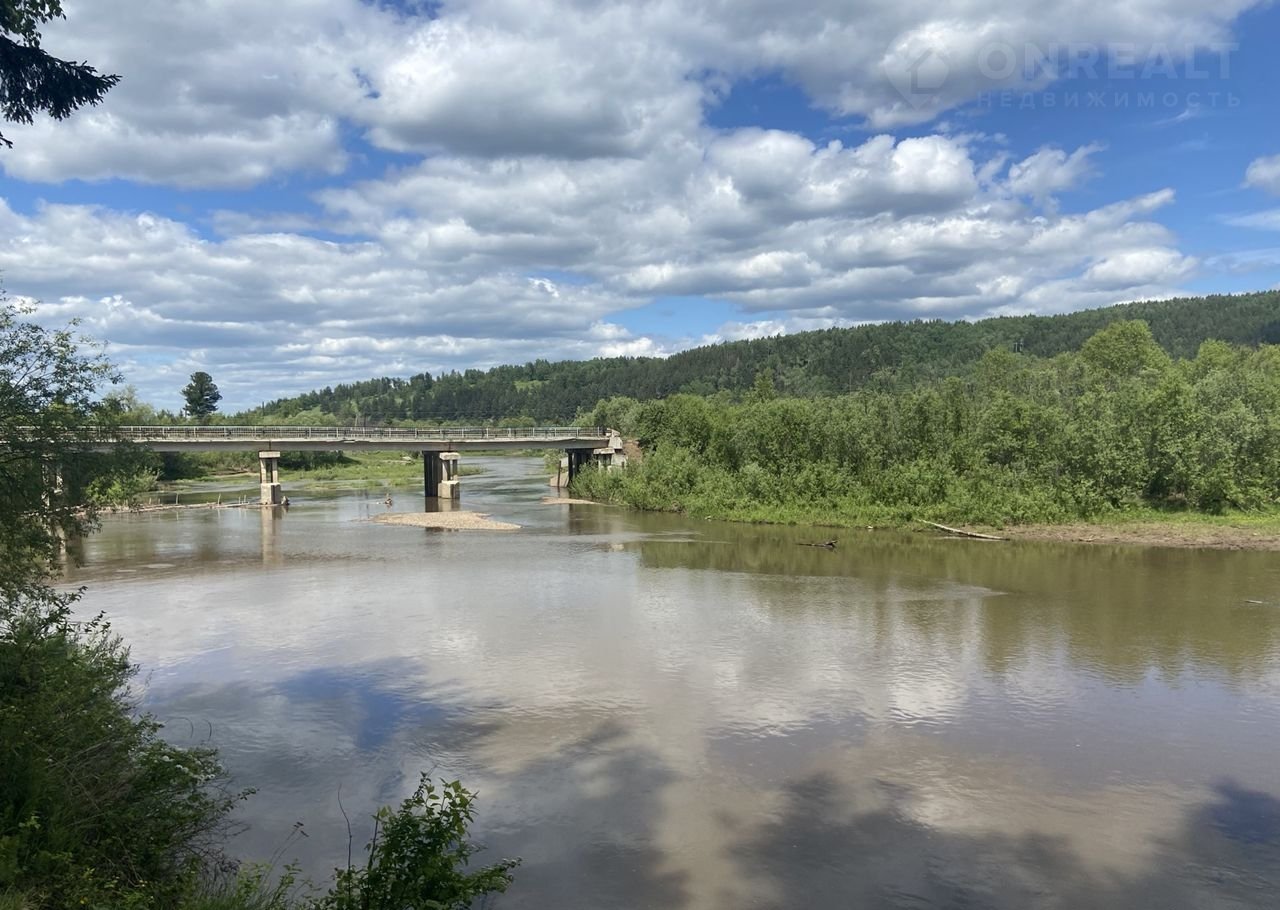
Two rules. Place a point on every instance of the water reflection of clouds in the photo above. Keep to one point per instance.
(366, 732)
(866, 847)
(355, 700)
(729, 723)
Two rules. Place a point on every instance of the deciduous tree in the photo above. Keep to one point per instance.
(50, 417)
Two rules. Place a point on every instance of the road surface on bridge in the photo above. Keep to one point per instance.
(319, 439)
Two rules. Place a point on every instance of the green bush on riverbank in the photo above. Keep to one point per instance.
(1116, 427)
(98, 811)
(95, 808)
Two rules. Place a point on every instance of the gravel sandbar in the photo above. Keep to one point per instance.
(450, 521)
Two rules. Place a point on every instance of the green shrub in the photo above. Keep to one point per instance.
(252, 887)
(96, 810)
(122, 491)
(418, 858)
(1117, 427)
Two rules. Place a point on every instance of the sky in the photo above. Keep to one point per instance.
(294, 194)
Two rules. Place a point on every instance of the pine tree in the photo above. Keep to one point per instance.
(202, 396)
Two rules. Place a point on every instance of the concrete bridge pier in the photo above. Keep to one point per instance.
(52, 484)
(270, 532)
(269, 478)
(577, 459)
(606, 457)
(440, 475)
(53, 499)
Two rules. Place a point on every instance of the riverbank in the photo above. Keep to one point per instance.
(1200, 532)
(1231, 531)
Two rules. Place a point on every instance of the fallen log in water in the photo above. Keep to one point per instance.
(961, 532)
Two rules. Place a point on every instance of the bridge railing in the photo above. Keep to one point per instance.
(361, 434)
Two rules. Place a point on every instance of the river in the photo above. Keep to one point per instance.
(662, 712)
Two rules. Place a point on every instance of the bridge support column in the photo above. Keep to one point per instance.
(577, 458)
(440, 475)
(53, 499)
(269, 478)
(52, 484)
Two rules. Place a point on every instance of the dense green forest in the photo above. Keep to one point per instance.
(1117, 426)
(806, 364)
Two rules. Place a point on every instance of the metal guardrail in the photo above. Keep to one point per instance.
(354, 434)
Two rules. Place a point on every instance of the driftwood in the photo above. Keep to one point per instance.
(960, 532)
(826, 545)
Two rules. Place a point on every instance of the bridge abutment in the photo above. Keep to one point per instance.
(440, 475)
(603, 458)
(577, 458)
(269, 478)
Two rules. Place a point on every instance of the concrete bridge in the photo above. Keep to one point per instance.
(439, 447)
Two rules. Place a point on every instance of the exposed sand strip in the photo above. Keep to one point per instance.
(1153, 534)
(449, 521)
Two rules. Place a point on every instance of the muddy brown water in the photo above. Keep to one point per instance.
(663, 712)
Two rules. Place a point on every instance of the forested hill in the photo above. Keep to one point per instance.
(808, 363)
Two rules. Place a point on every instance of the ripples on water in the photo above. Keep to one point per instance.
(661, 712)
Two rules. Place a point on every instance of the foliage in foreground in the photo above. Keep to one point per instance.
(33, 81)
(49, 419)
(98, 811)
(418, 857)
(1116, 427)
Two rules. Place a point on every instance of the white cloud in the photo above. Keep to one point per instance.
(1139, 267)
(1051, 171)
(239, 92)
(576, 82)
(282, 312)
(1266, 220)
(559, 137)
(211, 95)
(1264, 174)
(447, 262)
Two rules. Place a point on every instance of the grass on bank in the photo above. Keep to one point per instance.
(858, 514)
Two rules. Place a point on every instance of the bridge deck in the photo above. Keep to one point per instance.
(316, 439)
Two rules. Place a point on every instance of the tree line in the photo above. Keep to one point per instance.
(806, 364)
(1013, 437)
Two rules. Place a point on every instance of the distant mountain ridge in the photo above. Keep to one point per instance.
(823, 362)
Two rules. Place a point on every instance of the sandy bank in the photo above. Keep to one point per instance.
(1153, 534)
(567, 501)
(449, 521)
